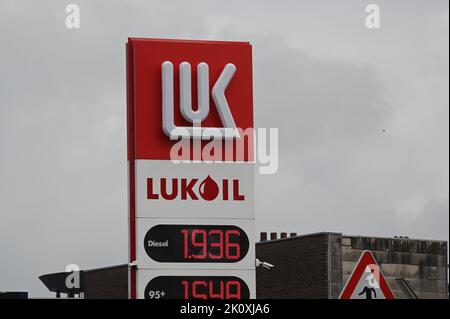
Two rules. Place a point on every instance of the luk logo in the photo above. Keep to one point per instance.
(185, 189)
(229, 129)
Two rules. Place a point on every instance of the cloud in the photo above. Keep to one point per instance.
(362, 118)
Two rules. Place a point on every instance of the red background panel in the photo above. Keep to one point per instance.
(150, 142)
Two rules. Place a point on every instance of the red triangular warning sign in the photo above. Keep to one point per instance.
(366, 281)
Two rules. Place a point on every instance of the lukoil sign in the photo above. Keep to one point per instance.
(192, 189)
(191, 223)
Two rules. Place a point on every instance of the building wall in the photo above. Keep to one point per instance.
(301, 268)
(106, 283)
(422, 263)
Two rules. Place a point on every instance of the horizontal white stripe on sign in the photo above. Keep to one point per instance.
(195, 243)
(194, 190)
(196, 284)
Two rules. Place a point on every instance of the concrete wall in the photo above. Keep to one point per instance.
(423, 263)
(335, 257)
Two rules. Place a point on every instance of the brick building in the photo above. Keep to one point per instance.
(318, 265)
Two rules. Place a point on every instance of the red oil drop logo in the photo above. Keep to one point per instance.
(209, 189)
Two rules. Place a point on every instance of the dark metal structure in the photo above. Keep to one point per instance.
(13, 295)
(57, 283)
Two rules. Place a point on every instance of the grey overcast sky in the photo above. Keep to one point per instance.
(363, 118)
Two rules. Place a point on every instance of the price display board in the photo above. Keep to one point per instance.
(196, 243)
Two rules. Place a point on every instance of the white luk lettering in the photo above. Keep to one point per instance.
(229, 130)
